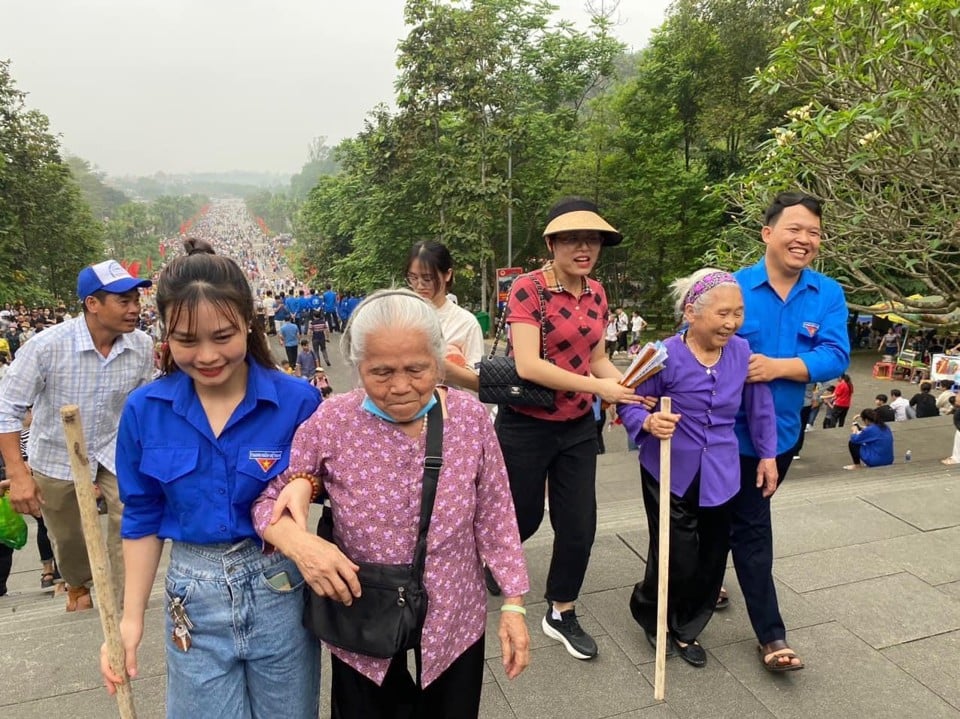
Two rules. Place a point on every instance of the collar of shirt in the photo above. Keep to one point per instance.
(753, 277)
(83, 340)
(181, 395)
(553, 284)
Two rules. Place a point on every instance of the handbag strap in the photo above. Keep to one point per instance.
(432, 462)
(503, 318)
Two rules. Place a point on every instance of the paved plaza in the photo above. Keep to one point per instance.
(867, 569)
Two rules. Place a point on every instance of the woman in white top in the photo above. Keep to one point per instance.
(429, 273)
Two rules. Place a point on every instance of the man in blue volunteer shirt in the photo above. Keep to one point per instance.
(795, 322)
(330, 309)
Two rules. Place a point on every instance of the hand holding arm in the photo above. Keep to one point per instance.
(324, 567)
(765, 369)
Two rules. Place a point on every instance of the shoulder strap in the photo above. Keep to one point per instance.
(432, 462)
(503, 318)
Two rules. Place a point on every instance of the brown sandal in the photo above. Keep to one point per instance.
(777, 657)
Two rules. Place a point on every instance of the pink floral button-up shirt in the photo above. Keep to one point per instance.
(373, 473)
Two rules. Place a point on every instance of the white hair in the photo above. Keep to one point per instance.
(394, 309)
(681, 287)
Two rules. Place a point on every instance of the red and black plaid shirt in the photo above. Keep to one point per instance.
(574, 325)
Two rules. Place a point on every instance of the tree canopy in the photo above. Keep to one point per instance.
(46, 229)
(877, 135)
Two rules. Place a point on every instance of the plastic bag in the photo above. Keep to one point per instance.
(13, 530)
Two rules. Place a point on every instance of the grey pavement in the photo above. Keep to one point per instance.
(867, 569)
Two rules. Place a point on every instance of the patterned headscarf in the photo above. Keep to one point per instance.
(707, 283)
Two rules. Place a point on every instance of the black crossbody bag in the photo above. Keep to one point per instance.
(388, 616)
(499, 381)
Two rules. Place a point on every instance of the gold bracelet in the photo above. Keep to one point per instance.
(513, 608)
(314, 481)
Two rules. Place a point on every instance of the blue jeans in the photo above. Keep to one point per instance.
(250, 656)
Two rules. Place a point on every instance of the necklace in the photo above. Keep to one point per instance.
(708, 366)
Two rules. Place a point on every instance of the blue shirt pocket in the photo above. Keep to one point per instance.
(170, 466)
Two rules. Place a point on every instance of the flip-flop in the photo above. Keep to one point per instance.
(949, 460)
(723, 601)
(776, 651)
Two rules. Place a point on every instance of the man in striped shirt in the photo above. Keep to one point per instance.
(93, 361)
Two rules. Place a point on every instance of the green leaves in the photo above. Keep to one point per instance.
(880, 144)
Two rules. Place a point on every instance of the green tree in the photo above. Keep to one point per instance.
(483, 86)
(878, 138)
(46, 230)
(102, 199)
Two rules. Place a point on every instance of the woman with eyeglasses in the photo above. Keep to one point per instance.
(557, 447)
(429, 273)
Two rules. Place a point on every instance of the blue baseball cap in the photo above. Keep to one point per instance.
(108, 276)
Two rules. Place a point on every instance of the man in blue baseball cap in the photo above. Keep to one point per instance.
(93, 361)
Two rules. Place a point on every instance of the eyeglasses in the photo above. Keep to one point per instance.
(592, 239)
(425, 280)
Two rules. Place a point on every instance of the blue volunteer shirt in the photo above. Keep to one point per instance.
(290, 334)
(810, 324)
(329, 301)
(876, 445)
(178, 481)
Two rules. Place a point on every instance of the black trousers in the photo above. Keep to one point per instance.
(6, 564)
(854, 452)
(751, 543)
(840, 414)
(43, 542)
(455, 694)
(559, 459)
(320, 347)
(804, 421)
(699, 542)
(333, 321)
(291, 351)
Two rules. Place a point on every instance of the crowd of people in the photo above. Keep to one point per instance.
(195, 436)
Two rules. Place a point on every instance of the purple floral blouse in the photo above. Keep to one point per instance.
(373, 473)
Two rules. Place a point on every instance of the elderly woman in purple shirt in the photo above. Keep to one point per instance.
(366, 447)
(705, 377)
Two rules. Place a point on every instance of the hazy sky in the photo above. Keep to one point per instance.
(137, 86)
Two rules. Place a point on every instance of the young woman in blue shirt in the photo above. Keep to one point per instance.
(195, 449)
(871, 444)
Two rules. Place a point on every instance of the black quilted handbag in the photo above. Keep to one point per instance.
(499, 381)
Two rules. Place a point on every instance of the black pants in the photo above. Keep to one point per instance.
(6, 564)
(751, 542)
(43, 542)
(804, 421)
(840, 414)
(561, 459)
(455, 694)
(320, 347)
(699, 541)
(333, 321)
(854, 452)
(622, 341)
(291, 351)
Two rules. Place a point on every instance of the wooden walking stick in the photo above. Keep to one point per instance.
(663, 566)
(96, 551)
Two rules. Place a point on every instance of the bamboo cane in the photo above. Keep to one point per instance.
(96, 551)
(663, 566)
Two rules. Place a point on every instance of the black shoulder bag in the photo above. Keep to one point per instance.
(499, 381)
(388, 616)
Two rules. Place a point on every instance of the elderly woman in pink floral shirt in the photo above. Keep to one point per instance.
(367, 448)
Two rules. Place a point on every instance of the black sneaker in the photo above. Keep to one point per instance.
(567, 630)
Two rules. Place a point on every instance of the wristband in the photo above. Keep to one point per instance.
(315, 492)
(513, 608)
